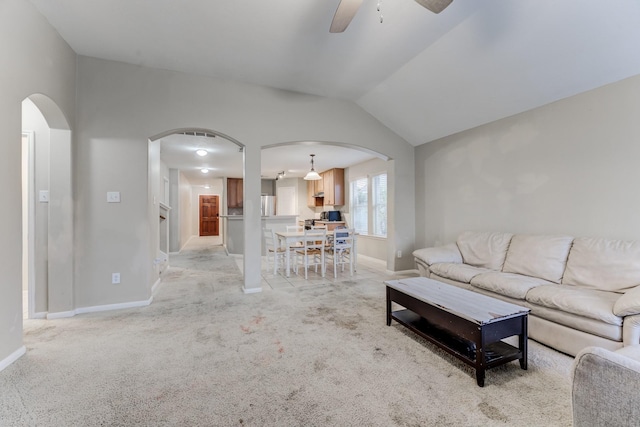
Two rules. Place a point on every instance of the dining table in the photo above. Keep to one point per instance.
(290, 238)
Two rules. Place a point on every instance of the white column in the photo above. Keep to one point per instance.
(252, 220)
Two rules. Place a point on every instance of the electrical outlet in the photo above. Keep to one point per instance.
(43, 196)
(399, 254)
(113, 197)
(115, 278)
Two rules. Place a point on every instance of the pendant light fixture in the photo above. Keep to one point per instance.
(312, 175)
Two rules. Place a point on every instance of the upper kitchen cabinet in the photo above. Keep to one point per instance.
(333, 187)
(312, 192)
(235, 192)
(328, 191)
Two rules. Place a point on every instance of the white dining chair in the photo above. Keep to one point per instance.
(341, 249)
(275, 251)
(312, 254)
(296, 229)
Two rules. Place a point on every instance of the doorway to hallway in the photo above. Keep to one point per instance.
(209, 215)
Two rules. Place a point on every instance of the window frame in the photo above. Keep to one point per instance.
(370, 206)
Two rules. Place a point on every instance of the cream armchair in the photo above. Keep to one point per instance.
(606, 387)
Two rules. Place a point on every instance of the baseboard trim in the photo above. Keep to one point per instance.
(109, 307)
(154, 287)
(378, 263)
(97, 308)
(251, 290)
(39, 315)
(12, 357)
(410, 271)
(61, 315)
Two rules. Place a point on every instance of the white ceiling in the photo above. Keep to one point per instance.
(423, 75)
(225, 159)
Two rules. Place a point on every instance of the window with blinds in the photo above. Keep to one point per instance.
(359, 205)
(369, 205)
(379, 204)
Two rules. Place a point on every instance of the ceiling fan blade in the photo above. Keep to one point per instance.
(435, 6)
(344, 14)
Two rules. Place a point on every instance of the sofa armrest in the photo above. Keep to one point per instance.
(428, 256)
(631, 330)
(447, 253)
(628, 304)
(605, 389)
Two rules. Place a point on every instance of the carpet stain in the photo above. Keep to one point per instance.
(492, 412)
(319, 365)
(378, 353)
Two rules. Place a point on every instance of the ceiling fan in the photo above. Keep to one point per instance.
(348, 8)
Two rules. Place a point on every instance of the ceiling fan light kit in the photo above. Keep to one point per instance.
(435, 6)
(347, 10)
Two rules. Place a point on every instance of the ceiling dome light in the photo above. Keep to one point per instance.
(202, 152)
(312, 175)
(204, 170)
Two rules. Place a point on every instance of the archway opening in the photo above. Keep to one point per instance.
(287, 163)
(47, 209)
(190, 173)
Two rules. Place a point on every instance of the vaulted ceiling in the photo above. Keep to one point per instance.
(423, 75)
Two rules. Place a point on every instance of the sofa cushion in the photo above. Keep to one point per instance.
(509, 284)
(538, 256)
(447, 253)
(581, 301)
(484, 249)
(610, 265)
(458, 272)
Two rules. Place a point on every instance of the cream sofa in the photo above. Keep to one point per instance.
(581, 291)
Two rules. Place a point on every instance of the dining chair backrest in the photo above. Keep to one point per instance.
(343, 238)
(270, 240)
(315, 238)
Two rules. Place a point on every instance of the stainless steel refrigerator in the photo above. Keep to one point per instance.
(268, 205)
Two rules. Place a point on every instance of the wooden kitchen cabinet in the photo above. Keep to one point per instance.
(235, 192)
(333, 184)
(312, 201)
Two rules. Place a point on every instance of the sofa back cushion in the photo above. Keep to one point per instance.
(544, 257)
(484, 249)
(608, 265)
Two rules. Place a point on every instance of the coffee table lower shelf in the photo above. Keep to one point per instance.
(495, 353)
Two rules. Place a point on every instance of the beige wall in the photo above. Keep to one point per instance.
(570, 167)
(34, 60)
(185, 210)
(120, 106)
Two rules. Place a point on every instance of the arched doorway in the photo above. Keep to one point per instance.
(47, 209)
(178, 159)
(358, 163)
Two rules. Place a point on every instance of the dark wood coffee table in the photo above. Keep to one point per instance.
(468, 325)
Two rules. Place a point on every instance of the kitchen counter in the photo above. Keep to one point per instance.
(235, 229)
(331, 225)
(273, 217)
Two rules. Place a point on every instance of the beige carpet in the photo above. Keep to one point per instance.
(204, 354)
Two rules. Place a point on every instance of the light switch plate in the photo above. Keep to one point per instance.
(43, 196)
(113, 197)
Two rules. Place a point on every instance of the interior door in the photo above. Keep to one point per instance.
(209, 216)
